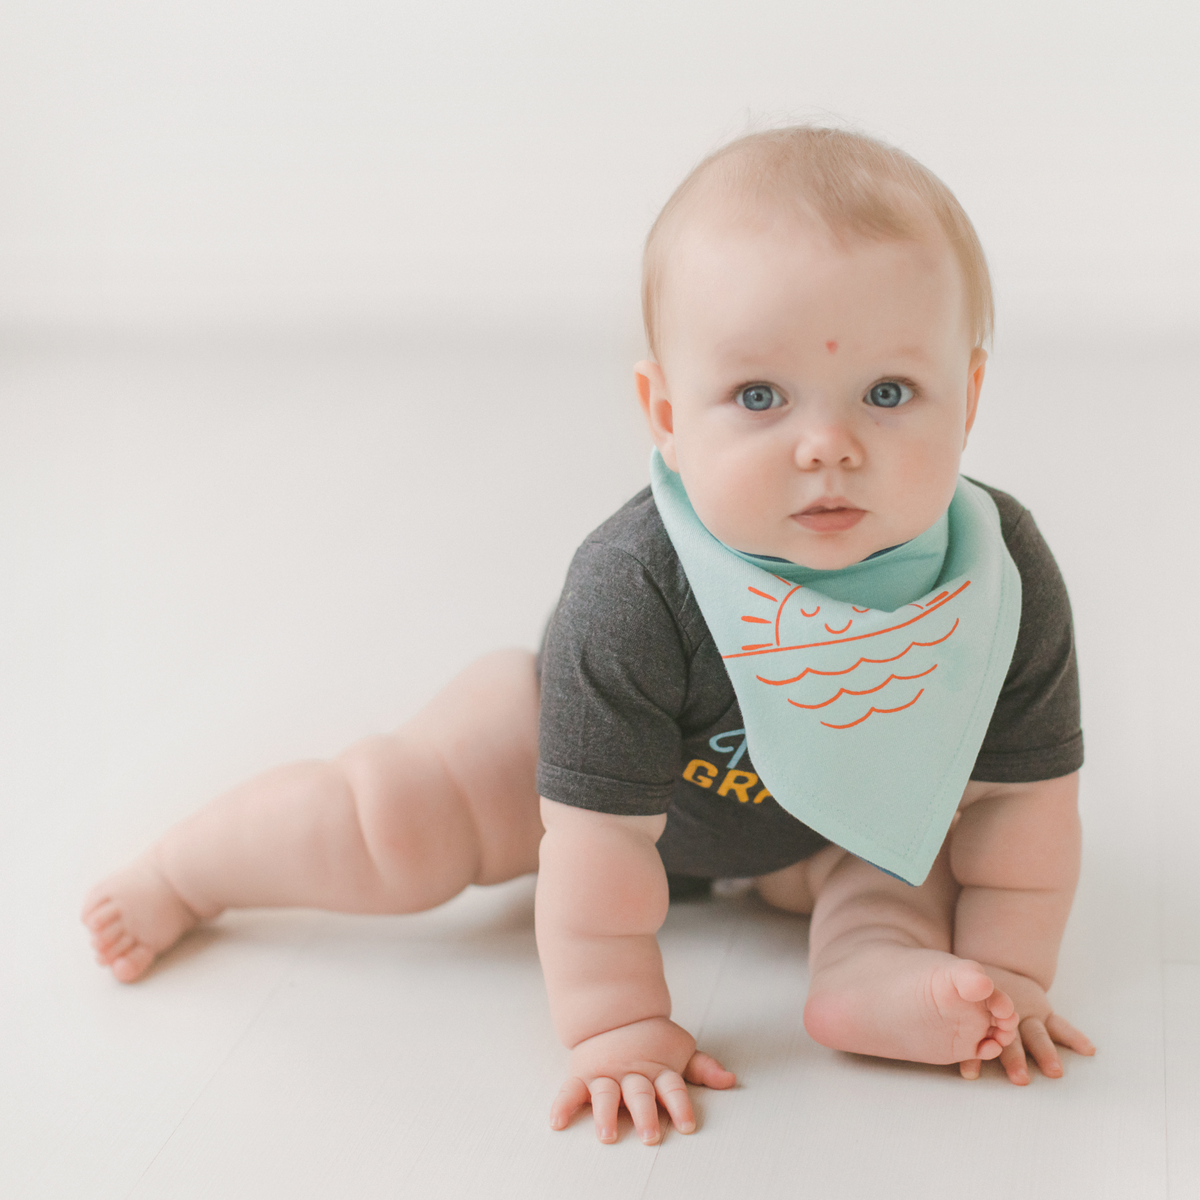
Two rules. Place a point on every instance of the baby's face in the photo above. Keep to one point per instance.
(815, 397)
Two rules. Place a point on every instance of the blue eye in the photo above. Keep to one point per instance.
(758, 397)
(889, 394)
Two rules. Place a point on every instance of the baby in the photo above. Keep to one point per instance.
(816, 306)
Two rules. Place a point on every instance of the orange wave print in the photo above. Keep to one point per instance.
(871, 710)
(847, 670)
(931, 607)
(865, 692)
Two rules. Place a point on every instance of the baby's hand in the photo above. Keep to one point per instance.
(640, 1064)
(1040, 1029)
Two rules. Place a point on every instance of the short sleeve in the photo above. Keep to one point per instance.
(614, 671)
(1035, 730)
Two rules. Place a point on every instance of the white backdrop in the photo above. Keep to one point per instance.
(389, 162)
(316, 326)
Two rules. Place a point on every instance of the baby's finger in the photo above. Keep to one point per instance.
(704, 1069)
(1039, 1044)
(606, 1101)
(673, 1093)
(1065, 1034)
(970, 1068)
(572, 1096)
(1012, 1059)
(643, 1107)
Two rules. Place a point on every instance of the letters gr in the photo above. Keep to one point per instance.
(703, 774)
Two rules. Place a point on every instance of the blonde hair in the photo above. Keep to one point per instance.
(854, 184)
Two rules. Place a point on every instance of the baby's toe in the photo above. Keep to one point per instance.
(1008, 1025)
(132, 965)
(972, 983)
(116, 949)
(104, 939)
(989, 1048)
(1003, 1010)
(99, 915)
(107, 955)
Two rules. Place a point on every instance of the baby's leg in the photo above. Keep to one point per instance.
(795, 888)
(395, 824)
(882, 978)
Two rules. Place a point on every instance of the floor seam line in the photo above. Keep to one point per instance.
(726, 953)
(217, 1069)
(725, 956)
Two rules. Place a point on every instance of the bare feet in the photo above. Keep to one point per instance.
(134, 916)
(897, 1001)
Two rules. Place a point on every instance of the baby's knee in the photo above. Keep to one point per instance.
(787, 889)
(796, 888)
(414, 820)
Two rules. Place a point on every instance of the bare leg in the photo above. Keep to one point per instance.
(395, 824)
(883, 978)
(795, 888)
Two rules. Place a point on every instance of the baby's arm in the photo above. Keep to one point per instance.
(601, 897)
(1015, 850)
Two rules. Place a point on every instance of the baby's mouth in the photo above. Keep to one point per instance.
(829, 516)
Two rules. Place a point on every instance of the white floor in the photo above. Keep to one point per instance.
(220, 555)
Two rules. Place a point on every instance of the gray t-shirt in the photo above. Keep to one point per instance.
(639, 716)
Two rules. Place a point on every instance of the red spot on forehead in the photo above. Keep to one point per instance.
(831, 346)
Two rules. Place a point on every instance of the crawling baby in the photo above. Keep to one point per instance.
(810, 653)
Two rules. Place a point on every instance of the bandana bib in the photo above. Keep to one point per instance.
(865, 692)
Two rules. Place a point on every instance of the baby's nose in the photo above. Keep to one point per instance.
(828, 444)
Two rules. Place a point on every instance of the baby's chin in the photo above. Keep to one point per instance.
(830, 561)
(823, 552)
(836, 550)
(825, 558)
(831, 550)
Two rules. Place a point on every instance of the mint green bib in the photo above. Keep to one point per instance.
(865, 692)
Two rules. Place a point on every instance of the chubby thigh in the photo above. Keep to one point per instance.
(479, 735)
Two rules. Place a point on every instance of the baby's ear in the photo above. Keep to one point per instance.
(656, 406)
(974, 386)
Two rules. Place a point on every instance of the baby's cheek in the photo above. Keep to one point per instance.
(731, 508)
(928, 479)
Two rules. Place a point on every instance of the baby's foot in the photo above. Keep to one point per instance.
(903, 1002)
(134, 916)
